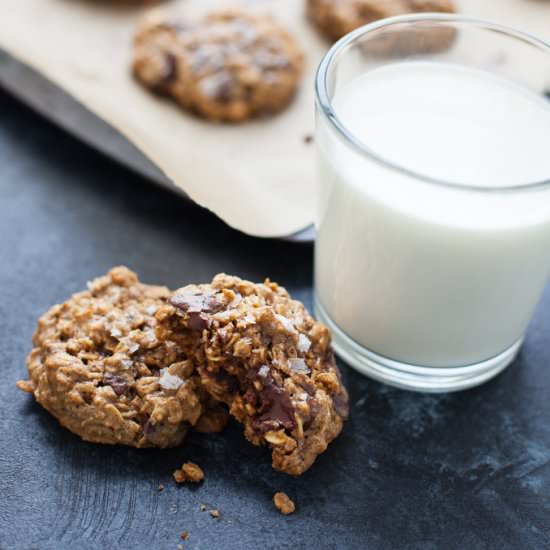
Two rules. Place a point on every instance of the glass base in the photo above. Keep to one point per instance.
(413, 377)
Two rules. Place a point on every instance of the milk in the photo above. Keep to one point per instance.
(419, 272)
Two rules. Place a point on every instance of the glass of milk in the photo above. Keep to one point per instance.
(433, 225)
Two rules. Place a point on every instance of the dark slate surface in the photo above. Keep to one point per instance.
(469, 470)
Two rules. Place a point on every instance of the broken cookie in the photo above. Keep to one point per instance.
(262, 354)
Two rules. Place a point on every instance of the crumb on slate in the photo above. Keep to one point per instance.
(184, 535)
(188, 472)
(160, 488)
(284, 504)
(180, 546)
(203, 508)
(215, 513)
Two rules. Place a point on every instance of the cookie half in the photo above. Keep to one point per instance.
(98, 366)
(335, 18)
(229, 65)
(261, 353)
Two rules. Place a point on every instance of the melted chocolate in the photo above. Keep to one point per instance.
(274, 404)
(196, 305)
(119, 384)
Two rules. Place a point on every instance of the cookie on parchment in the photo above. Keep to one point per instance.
(230, 65)
(98, 366)
(335, 18)
(262, 354)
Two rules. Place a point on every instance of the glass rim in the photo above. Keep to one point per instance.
(324, 100)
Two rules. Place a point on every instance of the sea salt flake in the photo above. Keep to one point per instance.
(224, 315)
(299, 366)
(169, 381)
(133, 347)
(130, 344)
(151, 310)
(149, 336)
(287, 323)
(236, 301)
(304, 343)
(115, 332)
(263, 371)
(126, 363)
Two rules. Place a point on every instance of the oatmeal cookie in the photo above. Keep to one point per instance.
(335, 18)
(230, 65)
(262, 354)
(99, 368)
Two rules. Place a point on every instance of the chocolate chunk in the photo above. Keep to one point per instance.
(149, 429)
(341, 405)
(314, 409)
(275, 407)
(168, 75)
(197, 321)
(119, 384)
(251, 397)
(197, 303)
(103, 351)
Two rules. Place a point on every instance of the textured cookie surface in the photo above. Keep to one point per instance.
(99, 368)
(228, 66)
(260, 352)
(335, 18)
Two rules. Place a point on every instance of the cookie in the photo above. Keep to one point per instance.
(335, 18)
(229, 66)
(99, 368)
(262, 354)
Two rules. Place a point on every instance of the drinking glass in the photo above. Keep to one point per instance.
(432, 253)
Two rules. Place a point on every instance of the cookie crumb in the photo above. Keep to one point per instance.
(160, 488)
(308, 138)
(203, 508)
(184, 535)
(188, 472)
(215, 513)
(180, 546)
(284, 504)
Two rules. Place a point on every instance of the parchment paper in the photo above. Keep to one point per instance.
(259, 176)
